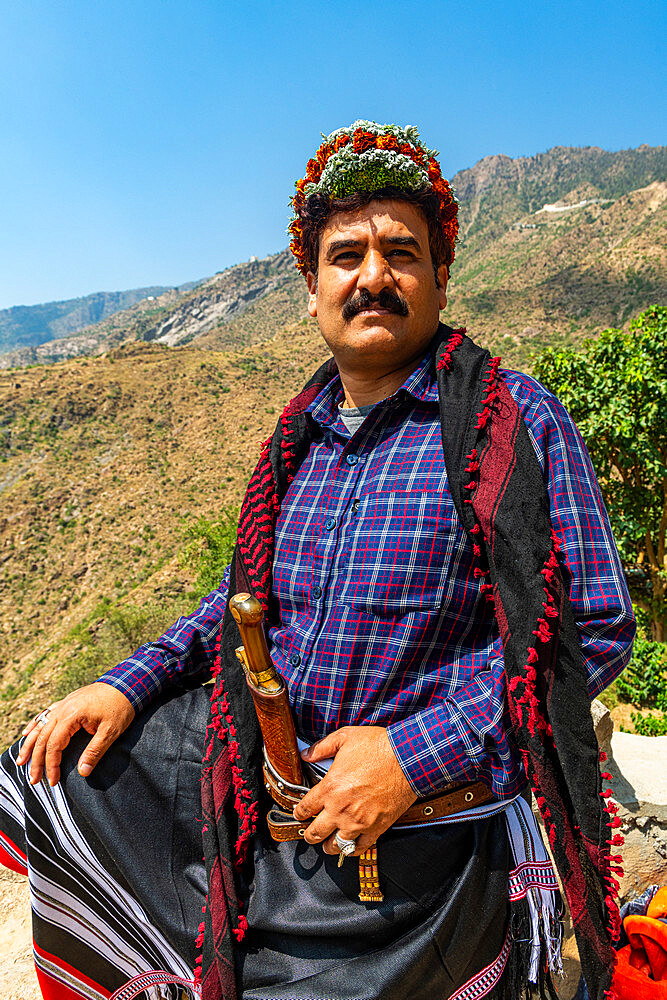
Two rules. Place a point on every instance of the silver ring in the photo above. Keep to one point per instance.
(346, 847)
(42, 717)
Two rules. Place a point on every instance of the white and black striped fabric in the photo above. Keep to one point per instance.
(117, 880)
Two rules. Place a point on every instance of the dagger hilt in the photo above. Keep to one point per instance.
(254, 655)
(271, 699)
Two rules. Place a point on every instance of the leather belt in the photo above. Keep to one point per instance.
(457, 797)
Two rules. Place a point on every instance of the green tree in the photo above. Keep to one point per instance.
(615, 387)
(644, 681)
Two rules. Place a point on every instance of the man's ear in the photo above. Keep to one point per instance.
(443, 278)
(311, 281)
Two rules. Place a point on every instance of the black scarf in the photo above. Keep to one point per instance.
(500, 497)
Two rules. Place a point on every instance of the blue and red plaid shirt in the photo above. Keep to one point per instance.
(381, 617)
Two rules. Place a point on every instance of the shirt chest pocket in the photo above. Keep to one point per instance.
(398, 553)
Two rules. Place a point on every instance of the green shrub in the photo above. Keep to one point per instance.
(108, 642)
(12, 691)
(210, 548)
(644, 681)
(111, 634)
(650, 725)
(615, 388)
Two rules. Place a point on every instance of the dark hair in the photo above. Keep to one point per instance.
(319, 207)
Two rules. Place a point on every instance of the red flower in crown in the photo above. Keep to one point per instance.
(341, 141)
(313, 171)
(323, 154)
(433, 170)
(363, 141)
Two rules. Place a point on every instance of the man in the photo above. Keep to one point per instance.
(398, 532)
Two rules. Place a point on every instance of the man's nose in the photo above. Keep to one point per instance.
(374, 272)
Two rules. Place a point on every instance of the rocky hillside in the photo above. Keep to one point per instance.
(177, 317)
(27, 326)
(553, 247)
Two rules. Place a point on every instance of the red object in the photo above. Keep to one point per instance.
(12, 856)
(63, 981)
(641, 969)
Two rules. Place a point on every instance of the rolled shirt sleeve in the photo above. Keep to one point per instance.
(183, 653)
(468, 735)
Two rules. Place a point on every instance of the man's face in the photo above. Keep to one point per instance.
(375, 296)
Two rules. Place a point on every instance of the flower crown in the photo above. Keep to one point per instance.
(366, 156)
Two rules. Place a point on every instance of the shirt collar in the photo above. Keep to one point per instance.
(420, 385)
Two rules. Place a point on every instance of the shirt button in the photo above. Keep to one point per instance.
(330, 523)
(351, 459)
(316, 591)
(295, 659)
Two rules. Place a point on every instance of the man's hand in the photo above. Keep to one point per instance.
(363, 792)
(98, 708)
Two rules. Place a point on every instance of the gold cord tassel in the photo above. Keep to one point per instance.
(369, 882)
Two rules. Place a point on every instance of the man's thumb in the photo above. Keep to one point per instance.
(327, 747)
(95, 750)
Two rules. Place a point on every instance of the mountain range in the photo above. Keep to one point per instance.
(28, 326)
(552, 247)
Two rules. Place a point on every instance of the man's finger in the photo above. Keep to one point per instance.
(29, 727)
(310, 805)
(363, 841)
(39, 751)
(331, 847)
(95, 750)
(321, 828)
(26, 747)
(60, 737)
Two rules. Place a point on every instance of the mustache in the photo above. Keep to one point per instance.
(385, 300)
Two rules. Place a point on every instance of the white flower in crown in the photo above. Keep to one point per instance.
(373, 169)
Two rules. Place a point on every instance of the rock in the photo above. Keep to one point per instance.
(638, 766)
(603, 723)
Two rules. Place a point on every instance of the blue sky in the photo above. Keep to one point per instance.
(154, 141)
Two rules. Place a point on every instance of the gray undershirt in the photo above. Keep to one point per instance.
(354, 416)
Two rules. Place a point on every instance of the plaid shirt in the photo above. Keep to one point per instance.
(381, 617)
